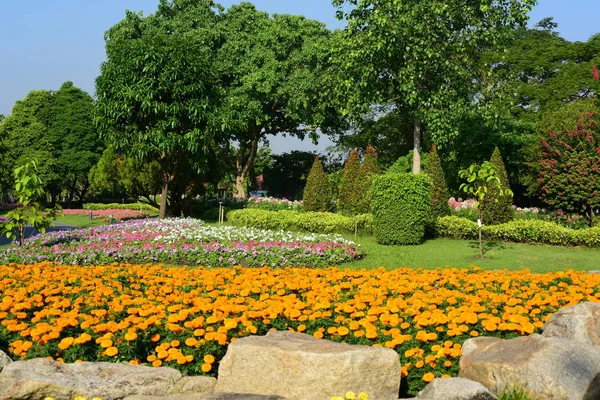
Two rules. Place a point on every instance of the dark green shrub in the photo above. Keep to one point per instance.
(351, 191)
(497, 209)
(439, 189)
(368, 170)
(317, 192)
(401, 208)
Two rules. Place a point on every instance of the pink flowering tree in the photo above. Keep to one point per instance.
(569, 175)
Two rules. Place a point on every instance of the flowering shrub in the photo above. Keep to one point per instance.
(184, 241)
(274, 204)
(186, 317)
(3, 220)
(460, 204)
(117, 214)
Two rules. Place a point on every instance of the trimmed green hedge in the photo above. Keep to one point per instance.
(119, 206)
(519, 231)
(318, 222)
(401, 208)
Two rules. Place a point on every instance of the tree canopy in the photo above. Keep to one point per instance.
(420, 56)
(158, 94)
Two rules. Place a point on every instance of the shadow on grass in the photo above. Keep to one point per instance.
(487, 246)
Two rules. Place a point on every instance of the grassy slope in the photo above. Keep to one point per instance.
(462, 253)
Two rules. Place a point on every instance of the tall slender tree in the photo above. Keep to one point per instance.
(317, 193)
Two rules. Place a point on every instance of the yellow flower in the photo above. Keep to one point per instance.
(206, 367)
(350, 396)
(363, 396)
(112, 351)
(428, 377)
(209, 359)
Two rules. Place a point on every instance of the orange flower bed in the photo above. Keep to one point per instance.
(185, 317)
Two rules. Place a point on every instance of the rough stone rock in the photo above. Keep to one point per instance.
(548, 368)
(208, 396)
(455, 389)
(301, 367)
(194, 384)
(4, 359)
(38, 378)
(580, 322)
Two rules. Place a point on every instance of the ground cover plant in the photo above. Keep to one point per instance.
(185, 317)
(184, 241)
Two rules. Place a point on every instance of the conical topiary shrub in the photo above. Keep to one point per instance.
(439, 189)
(317, 192)
(350, 191)
(497, 209)
(368, 170)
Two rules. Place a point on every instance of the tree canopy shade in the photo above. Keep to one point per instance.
(158, 94)
(420, 56)
(274, 73)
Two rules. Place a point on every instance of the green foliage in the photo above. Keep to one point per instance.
(519, 231)
(158, 94)
(368, 170)
(401, 208)
(439, 189)
(350, 191)
(28, 189)
(274, 75)
(496, 208)
(317, 193)
(119, 206)
(303, 221)
(453, 227)
(570, 167)
(55, 127)
(397, 53)
(286, 177)
(404, 164)
(118, 175)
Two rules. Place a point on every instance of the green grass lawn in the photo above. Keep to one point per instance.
(462, 253)
(80, 221)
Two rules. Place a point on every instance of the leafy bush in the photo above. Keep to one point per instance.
(439, 189)
(455, 228)
(274, 204)
(119, 206)
(351, 192)
(401, 208)
(317, 192)
(303, 221)
(497, 209)
(519, 231)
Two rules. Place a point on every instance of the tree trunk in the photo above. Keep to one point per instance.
(244, 162)
(163, 197)
(416, 169)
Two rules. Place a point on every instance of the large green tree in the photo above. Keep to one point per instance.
(56, 128)
(24, 136)
(158, 93)
(273, 69)
(420, 56)
(73, 136)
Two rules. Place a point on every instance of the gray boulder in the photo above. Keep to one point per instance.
(580, 322)
(4, 359)
(548, 368)
(38, 378)
(301, 367)
(455, 389)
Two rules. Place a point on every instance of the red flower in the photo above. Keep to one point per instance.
(595, 72)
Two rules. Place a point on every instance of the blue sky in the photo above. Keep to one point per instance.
(44, 43)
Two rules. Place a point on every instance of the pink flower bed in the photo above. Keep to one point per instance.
(118, 215)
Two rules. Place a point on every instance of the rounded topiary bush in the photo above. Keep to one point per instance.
(401, 208)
